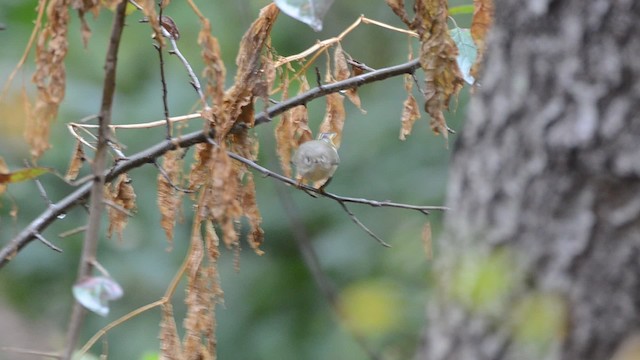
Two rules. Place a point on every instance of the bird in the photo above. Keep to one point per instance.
(317, 159)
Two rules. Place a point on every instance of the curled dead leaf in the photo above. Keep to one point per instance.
(77, 159)
(49, 77)
(334, 117)
(121, 194)
(480, 25)
(169, 198)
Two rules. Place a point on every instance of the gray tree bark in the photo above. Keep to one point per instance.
(547, 172)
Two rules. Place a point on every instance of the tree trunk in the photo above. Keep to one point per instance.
(540, 256)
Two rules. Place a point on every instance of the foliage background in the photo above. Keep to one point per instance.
(272, 308)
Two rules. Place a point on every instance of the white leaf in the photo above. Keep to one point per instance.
(467, 52)
(94, 293)
(310, 12)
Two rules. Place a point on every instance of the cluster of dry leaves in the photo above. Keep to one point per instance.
(223, 189)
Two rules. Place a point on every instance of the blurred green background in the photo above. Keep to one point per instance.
(272, 307)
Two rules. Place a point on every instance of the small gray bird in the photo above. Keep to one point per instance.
(317, 159)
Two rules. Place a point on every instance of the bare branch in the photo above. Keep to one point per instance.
(40, 223)
(92, 234)
(361, 225)
(67, 233)
(45, 354)
(46, 242)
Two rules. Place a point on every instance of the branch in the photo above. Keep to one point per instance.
(92, 234)
(9, 251)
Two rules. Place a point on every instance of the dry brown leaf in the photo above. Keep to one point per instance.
(3, 169)
(49, 77)
(284, 134)
(170, 348)
(398, 8)
(300, 118)
(120, 193)
(438, 60)
(212, 241)
(410, 113)
(203, 292)
(149, 11)
(427, 240)
(201, 168)
(195, 292)
(214, 71)
(334, 117)
(83, 7)
(77, 159)
(341, 72)
(249, 72)
(251, 211)
(169, 198)
(480, 24)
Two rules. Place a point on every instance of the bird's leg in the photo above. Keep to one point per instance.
(321, 188)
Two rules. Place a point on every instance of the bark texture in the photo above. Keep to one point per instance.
(547, 170)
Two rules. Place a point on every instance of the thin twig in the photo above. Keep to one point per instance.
(100, 268)
(92, 234)
(46, 242)
(324, 44)
(148, 155)
(68, 233)
(117, 207)
(46, 354)
(194, 79)
(43, 192)
(165, 102)
(361, 225)
(166, 177)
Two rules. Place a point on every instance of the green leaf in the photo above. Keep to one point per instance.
(461, 10)
(22, 175)
(467, 52)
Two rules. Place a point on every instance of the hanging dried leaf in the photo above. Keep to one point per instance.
(480, 24)
(49, 77)
(212, 241)
(251, 211)
(121, 194)
(149, 11)
(169, 198)
(203, 293)
(410, 113)
(241, 93)
(195, 292)
(201, 168)
(438, 60)
(77, 159)
(300, 118)
(214, 71)
(170, 347)
(334, 117)
(83, 7)
(284, 134)
(341, 72)
(398, 8)
(426, 240)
